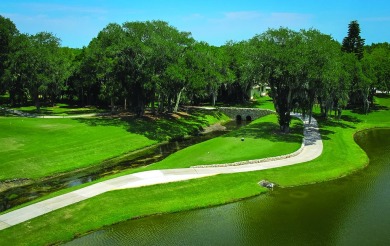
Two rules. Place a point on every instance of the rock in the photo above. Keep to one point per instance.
(266, 184)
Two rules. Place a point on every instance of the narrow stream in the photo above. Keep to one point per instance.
(354, 210)
(19, 195)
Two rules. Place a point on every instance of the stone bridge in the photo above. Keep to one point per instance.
(247, 114)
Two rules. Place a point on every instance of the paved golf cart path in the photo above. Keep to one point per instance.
(311, 149)
(28, 115)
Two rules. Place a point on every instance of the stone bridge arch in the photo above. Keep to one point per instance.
(247, 114)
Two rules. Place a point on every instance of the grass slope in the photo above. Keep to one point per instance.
(35, 148)
(260, 102)
(64, 224)
(341, 156)
(261, 140)
(59, 109)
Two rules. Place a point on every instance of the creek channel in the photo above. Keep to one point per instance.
(354, 210)
(21, 194)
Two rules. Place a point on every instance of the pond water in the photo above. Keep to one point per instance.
(354, 210)
(19, 195)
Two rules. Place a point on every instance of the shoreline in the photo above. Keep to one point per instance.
(321, 165)
(312, 149)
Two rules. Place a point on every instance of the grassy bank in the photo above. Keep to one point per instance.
(134, 203)
(35, 148)
(60, 109)
(264, 102)
(341, 156)
(261, 139)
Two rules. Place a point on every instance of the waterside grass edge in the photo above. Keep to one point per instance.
(341, 157)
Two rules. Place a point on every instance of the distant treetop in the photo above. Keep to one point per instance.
(353, 43)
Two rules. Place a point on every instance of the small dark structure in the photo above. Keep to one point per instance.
(243, 113)
(247, 118)
(267, 184)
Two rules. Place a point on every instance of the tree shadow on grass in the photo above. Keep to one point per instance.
(249, 104)
(377, 107)
(76, 109)
(346, 122)
(4, 113)
(160, 128)
(64, 110)
(325, 134)
(351, 119)
(383, 95)
(34, 111)
(323, 123)
(373, 108)
(269, 131)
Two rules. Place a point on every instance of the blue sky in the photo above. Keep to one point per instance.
(214, 21)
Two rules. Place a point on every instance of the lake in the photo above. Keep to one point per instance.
(354, 210)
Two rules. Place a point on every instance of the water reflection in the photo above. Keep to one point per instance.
(354, 210)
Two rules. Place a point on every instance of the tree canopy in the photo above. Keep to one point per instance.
(151, 65)
(353, 43)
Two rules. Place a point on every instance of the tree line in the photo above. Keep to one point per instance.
(139, 65)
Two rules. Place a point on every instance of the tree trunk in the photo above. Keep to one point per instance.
(213, 99)
(169, 106)
(82, 97)
(285, 129)
(140, 108)
(152, 106)
(339, 112)
(161, 104)
(284, 122)
(282, 105)
(37, 102)
(12, 98)
(366, 102)
(178, 100)
(112, 105)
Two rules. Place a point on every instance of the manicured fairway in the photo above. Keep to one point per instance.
(261, 139)
(341, 156)
(59, 109)
(265, 102)
(32, 148)
(35, 148)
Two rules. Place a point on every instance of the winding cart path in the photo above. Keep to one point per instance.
(311, 148)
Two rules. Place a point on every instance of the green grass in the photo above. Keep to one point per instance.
(381, 102)
(4, 99)
(261, 140)
(259, 102)
(341, 156)
(35, 148)
(265, 103)
(59, 109)
(116, 206)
